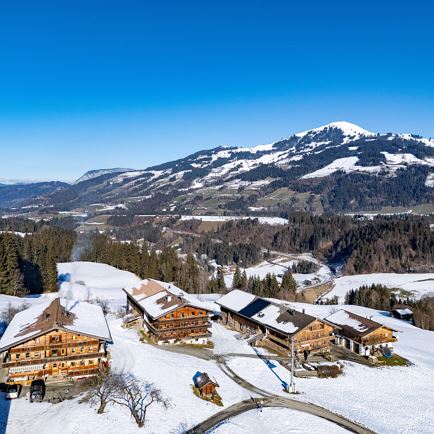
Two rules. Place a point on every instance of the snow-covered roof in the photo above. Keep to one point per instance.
(74, 316)
(404, 311)
(358, 325)
(271, 316)
(158, 298)
(276, 316)
(235, 300)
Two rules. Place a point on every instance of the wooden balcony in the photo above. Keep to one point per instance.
(53, 346)
(205, 324)
(27, 362)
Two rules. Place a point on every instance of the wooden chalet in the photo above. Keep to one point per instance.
(359, 334)
(167, 314)
(55, 340)
(205, 385)
(275, 325)
(402, 312)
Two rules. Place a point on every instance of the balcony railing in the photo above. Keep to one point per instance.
(26, 362)
(53, 346)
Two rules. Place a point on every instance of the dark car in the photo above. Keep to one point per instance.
(13, 391)
(37, 390)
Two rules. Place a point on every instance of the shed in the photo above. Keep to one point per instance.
(204, 384)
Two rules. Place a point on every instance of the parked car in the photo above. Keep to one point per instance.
(13, 391)
(37, 391)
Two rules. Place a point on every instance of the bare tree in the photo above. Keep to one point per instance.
(104, 388)
(104, 304)
(138, 396)
(10, 311)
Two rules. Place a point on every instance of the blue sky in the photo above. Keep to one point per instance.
(97, 84)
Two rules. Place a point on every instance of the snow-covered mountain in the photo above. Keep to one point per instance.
(91, 174)
(337, 167)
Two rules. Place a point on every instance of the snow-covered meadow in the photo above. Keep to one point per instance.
(416, 285)
(280, 264)
(395, 400)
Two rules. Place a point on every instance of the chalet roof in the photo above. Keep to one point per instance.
(276, 316)
(353, 323)
(72, 316)
(147, 288)
(236, 300)
(403, 310)
(201, 379)
(158, 298)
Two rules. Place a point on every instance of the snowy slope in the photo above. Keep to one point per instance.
(89, 280)
(277, 421)
(388, 399)
(392, 400)
(417, 284)
(91, 174)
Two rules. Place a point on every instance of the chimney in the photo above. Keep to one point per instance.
(168, 297)
(304, 310)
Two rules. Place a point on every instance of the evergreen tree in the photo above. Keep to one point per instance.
(288, 282)
(237, 282)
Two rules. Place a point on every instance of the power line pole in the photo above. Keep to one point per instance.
(292, 385)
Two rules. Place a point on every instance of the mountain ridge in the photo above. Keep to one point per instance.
(324, 165)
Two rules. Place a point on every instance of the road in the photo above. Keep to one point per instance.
(251, 404)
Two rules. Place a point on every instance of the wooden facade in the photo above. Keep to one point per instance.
(315, 337)
(58, 354)
(366, 345)
(360, 334)
(186, 324)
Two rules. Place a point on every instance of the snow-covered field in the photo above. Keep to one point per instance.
(220, 218)
(278, 267)
(387, 400)
(277, 421)
(417, 285)
(88, 280)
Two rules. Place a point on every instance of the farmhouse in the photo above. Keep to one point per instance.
(359, 334)
(167, 313)
(275, 325)
(56, 340)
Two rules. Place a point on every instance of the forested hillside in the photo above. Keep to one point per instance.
(383, 244)
(28, 262)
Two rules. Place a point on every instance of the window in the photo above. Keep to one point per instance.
(63, 364)
(72, 350)
(17, 356)
(81, 349)
(81, 362)
(54, 353)
(72, 363)
(63, 351)
(27, 355)
(36, 355)
(54, 365)
(90, 362)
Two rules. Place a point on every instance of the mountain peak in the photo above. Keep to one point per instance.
(347, 128)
